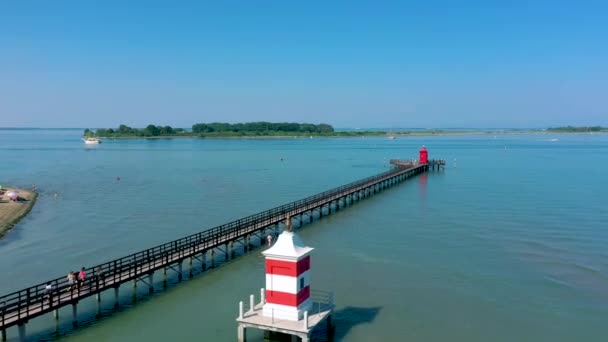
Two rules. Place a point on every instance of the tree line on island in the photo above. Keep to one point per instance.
(278, 129)
(572, 129)
(219, 129)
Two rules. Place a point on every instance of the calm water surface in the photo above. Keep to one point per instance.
(509, 243)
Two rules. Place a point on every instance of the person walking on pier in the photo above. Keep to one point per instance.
(71, 279)
(48, 290)
(269, 238)
(82, 275)
(99, 276)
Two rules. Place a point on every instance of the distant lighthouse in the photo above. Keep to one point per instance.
(424, 156)
(287, 277)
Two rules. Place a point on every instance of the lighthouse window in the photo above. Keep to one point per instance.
(301, 283)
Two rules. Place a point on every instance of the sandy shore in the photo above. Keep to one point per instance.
(11, 212)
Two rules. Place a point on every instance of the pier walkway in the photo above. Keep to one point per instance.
(21, 306)
(432, 164)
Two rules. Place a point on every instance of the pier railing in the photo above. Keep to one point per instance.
(35, 300)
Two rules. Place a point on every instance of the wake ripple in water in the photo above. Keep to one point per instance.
(565, 266)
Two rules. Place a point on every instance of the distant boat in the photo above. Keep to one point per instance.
(91, 141)
(391, 137)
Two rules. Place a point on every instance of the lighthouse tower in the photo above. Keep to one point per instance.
(287, 277)
(424, 156)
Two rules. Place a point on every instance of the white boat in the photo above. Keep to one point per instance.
(392, 137)
(91, 141)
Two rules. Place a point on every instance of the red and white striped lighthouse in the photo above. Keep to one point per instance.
(287, 277)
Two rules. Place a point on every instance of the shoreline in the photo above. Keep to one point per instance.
(11, 213)
(355, 135)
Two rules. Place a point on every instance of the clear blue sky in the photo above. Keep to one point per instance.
(346, 63)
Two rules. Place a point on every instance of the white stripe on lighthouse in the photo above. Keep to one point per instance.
(286, 284)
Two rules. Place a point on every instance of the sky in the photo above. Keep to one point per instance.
(357, 64)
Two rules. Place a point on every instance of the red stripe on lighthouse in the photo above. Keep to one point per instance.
(287, 268)
(289, 299)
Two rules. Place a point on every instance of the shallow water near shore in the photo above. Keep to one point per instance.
(508, 243)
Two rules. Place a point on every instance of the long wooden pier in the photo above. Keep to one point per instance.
(19, 307)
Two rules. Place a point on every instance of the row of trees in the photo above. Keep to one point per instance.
(261, 127)
(577, 129)
(215, 129)
(126, 131)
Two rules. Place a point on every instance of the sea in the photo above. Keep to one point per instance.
(508, 243)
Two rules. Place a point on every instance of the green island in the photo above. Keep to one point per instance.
(571, 129)
(263, 129)
(222, 130)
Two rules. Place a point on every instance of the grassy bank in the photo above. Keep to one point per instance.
(12, 212)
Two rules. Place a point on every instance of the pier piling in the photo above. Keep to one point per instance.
(151, 282)
(116, 302)
(21, 328)
(75, 314)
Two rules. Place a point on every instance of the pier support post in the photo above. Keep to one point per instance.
(116, 297)
(179, 270)
(21, 328)
(151, 282)
(212, 258)
(56, 314)
(241, 334)
(3, 335)
(98, 300)
(204, 261)
(320, 211)
(191, 258)
(74, 314)
(262, 296)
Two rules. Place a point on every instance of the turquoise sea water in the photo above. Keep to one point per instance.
(509, 243)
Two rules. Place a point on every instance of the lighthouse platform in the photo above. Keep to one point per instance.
(322, 309)
(432, 163)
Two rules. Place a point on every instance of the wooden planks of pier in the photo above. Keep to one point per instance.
(19, 307)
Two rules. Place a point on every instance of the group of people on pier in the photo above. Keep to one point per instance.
(76, 280)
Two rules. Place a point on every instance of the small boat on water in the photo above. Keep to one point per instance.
(391, 137)
(91, 141)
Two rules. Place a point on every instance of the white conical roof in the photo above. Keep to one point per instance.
(288, 246)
